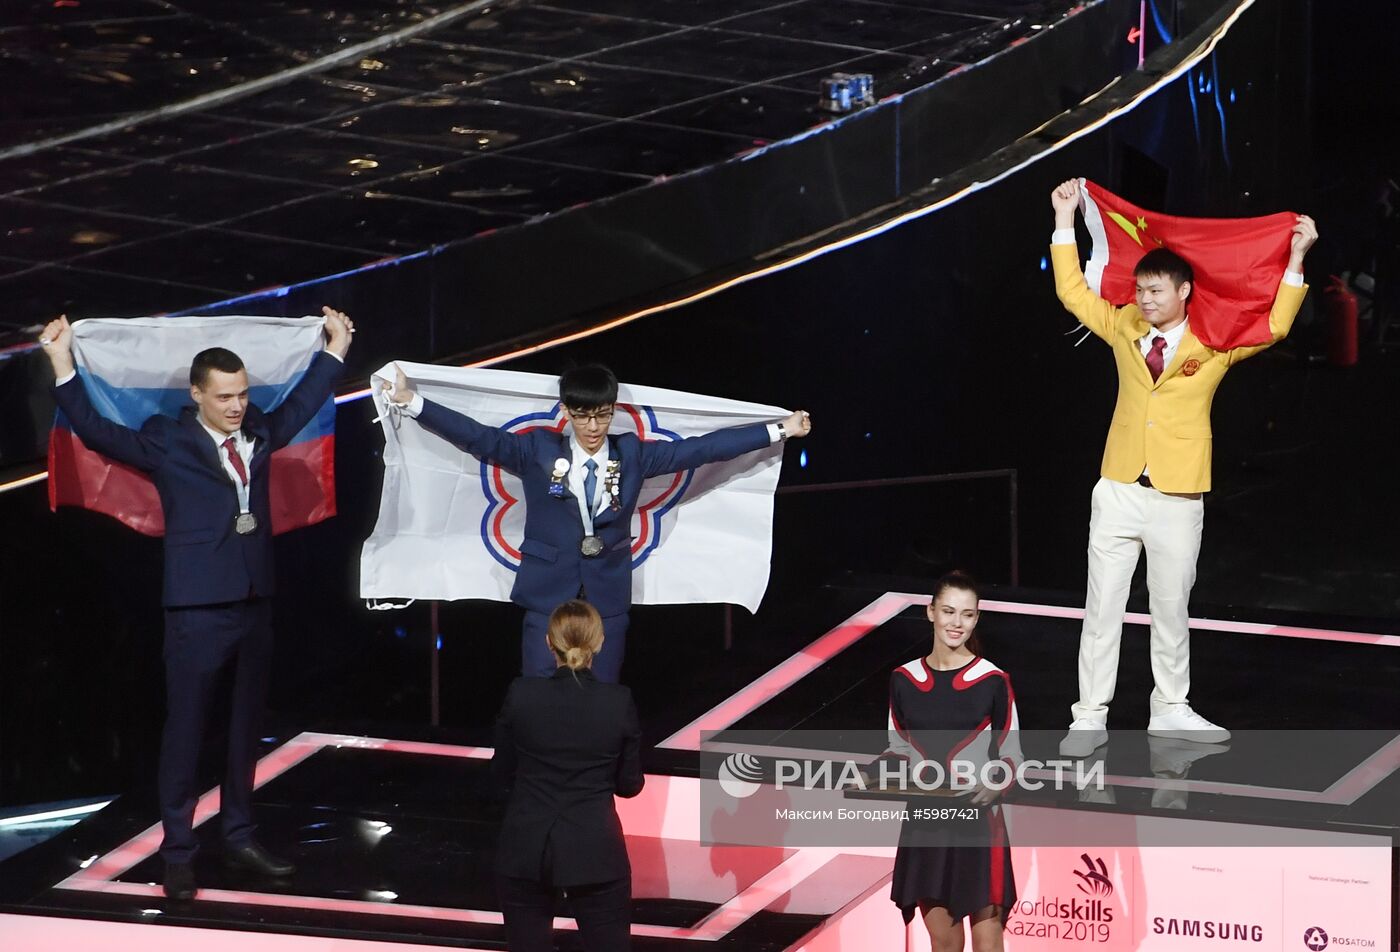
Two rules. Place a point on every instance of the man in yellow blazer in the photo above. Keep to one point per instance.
(1156, 466)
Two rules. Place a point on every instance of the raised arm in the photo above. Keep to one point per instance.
(143, 449)
(510, 450)
(318, 383)
(1073, 291)
(672, 457)
(1291, 291)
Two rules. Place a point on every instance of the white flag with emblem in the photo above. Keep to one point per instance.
(450, 525)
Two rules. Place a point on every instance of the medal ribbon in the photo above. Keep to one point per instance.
(586, 503)
(241, 483)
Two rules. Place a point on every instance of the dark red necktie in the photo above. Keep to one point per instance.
(1153, 358)
(237, 460)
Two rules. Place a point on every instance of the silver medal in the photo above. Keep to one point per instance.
(591, 546)
(245, 524)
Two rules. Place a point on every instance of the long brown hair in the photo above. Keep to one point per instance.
(963, 582)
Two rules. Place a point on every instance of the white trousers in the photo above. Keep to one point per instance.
(1125, 519)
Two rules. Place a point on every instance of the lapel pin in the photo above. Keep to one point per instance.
(612, 482)
(556, 478)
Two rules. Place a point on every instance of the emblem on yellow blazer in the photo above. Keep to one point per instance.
(1190, 367)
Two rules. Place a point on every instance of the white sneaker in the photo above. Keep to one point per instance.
(1170, 758)
(1182, 723)
(1084, 737)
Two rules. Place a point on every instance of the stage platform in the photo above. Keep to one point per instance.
(394, 836)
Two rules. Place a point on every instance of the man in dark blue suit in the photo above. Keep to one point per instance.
(210, 468)
(581, 488)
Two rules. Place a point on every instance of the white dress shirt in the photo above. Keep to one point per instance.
(1173, 338)
(243, 445)
(578, 472)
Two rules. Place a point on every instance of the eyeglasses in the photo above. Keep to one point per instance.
(600, 417)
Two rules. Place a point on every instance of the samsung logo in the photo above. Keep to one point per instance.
(1208, 929)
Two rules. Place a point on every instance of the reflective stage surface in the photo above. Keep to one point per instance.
(394, 839)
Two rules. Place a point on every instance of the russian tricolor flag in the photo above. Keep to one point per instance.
(136, 367)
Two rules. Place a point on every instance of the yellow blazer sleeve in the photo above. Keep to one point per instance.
(1075, 294)
(1281, 317)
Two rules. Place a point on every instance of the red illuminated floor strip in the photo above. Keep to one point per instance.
(1364, 776)
(1356, 783)
(794, 669)
(145, 843)
(47, 934)
(366, 907)
(717, 925)
(1202, 624)
(675, 796)
(728, 712)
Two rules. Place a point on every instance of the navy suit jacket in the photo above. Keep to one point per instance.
(552, 569)
(206, 561)
(564, 746)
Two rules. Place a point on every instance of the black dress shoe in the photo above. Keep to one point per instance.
(179, 881)
(258, 860)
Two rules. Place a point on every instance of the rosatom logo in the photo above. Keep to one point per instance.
(503, 522)
(1315, 939)
(739, 775)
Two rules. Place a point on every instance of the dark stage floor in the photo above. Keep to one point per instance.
(394, 838)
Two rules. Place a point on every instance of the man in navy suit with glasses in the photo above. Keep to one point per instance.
(581, 488)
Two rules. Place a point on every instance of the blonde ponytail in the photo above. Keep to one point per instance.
(575, 633)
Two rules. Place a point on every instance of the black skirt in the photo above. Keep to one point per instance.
(963, 867)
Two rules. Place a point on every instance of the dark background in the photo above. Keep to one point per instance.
(937, 347)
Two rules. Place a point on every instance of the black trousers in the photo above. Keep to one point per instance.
(200, 643)
(603, 912)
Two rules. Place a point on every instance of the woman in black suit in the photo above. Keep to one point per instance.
(564, 746)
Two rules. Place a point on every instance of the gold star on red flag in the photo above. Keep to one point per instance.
(1129, 227)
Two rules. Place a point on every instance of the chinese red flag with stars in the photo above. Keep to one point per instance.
(1238, 262)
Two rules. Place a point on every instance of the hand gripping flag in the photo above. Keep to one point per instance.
(1238, 262)
(450, 525)
(136, 367)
